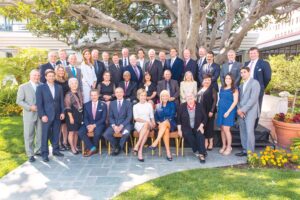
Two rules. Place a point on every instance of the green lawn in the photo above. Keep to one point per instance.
(12, 152)
(220, 183)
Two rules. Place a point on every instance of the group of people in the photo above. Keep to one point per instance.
(64, 101)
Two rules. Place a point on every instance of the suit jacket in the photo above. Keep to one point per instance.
(235, 71)
(183, 117)
(214, 71)
(173, 87)
(116, 74)
(48, 106)
(130, 92)
(248, 99)
(165, 64)
(78, 75)
(123, 117)
(134, 77)
(262, 73)
(176, 69)
(100, 114)
(99, 70)
(26, 98)
(190, 66)
(43, 69)
(59, 62)
(199, 70)
(142, 66)
(155, 70)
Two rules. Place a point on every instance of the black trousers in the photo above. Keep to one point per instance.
(196, 140)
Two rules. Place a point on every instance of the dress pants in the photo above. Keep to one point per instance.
(247, 133)
(196, 139)
(98, 132)
(50, 131)
(32, 136)
(108, 135)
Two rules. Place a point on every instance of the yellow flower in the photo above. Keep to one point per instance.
(298, 166)
(249, 151)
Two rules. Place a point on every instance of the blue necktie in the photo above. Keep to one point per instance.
(73, 71)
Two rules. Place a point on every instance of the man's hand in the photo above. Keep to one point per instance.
(210, 114)
(62, 116)
(201, 128)
(33, 108)
(45, 119)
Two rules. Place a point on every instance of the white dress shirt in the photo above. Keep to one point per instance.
(52, 89)
(252, 67)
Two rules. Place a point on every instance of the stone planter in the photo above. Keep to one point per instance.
(285, 132)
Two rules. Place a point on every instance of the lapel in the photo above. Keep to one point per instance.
(98, 108)
(247, 87)
(49, 91)
(56, 91)
(31, 88)
(187, 114)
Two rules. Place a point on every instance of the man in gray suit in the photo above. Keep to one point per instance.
(248, 110)
(73, 71)
(233, 67)
(26, 98)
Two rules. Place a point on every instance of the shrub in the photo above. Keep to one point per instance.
(8, 104)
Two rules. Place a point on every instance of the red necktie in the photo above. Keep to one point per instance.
(126, 85)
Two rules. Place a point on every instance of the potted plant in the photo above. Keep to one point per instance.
(287, 126)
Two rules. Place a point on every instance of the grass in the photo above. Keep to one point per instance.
(12, 151)
(220, 183)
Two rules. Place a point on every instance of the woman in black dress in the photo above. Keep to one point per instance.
(61, 78)
(208, 97)
(106, 89)
(74, 118)
(150, 88)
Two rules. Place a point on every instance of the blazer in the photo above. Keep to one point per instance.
(144, 64)
(133, 75)
(209, 100)
(199, 70)
(166, 113)
(121, 62)
(262, 73)
(190, 66)
(176, 68)
(130, 93)
(78, 75)
(248, 99)
(99, 70)
(235, 71)
(100, 114)
(155, 70)
(173, 87)
(43, 69)
(183, 117)
(48, 106)
(123, 117)
(214, 71)
(26, 98)
(116, 74)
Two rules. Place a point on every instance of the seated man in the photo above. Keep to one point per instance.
(129, 87)
(120, 119)
(94, 121)
(170, 85)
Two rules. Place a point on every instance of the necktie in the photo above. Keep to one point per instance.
(136, 72)
(73, 71)
(94, 110)
(185, 62)
(200, 62)
(168, 87)
(117, 66)
(126, 85)
(119, 106)
(53, 65)
(149, 66)
(230, 66)
(208, 68)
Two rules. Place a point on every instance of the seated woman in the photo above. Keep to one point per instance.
(144, 121)
(188, 85)
(74, 114)
(106, 89)
(190, 124)
(165, 118)
(150, 88)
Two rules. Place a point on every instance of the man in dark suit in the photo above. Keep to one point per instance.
(98, 66)
(260, 70)
(233, 67)
(189, 64)
(94, 121)
(170, 85)
(52, 57)
(50, 106)
(115, 70)
(105, 60)
(210, 68)
(141, 59)
(129, 87)
(175, 65)
(73, 71)
(163, 59)
(62, 54)
(200, 62)
(120, 117)
(154, 67)
(124, 61)
(135, 71)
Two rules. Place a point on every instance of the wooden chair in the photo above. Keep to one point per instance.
(91, 135)
(151, 135)
(118, 135)
(173, 135)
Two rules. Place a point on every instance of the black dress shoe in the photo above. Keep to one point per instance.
(169, 158)
(31, 159)
(116, 152)
(141, 160)
(201, 159)
(58, 154)
(46, 159)
(38, 154)
(241, 154)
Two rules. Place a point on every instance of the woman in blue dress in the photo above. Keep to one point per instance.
(228, 99)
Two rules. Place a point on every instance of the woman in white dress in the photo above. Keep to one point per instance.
(89, 77)
(187, 86)
(144, 121)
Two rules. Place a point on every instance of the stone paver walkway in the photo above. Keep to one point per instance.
(75, 177)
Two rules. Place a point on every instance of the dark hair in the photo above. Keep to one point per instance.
(205, 76)
(246, 68)
(253, 49)
(232, 86)
(211, 53)
(142, 50)
(106, 72)
(147, 73)
(48, 71)
(94, 90)
(173, 48)
(115, 54)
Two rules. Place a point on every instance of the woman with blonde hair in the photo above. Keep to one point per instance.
(188, 85)
(144, 121)
(165, 117)
(89, 78)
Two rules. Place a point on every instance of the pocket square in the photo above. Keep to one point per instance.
(259, 70)
(100, 110)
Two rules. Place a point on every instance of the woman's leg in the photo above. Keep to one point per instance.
(161, 131)
(75, 140)
(228, 139)
(145, 137)
(71, 141)
(166, 138)
(64, 133)
(141, 135)
(223, 140)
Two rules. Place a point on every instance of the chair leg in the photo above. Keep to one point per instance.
(152, 140)
(131, 141)
(159, 148)
(176, 141)
(82, 147)
(126, 148)
(182, 146)
(108, 148)
(100, 147)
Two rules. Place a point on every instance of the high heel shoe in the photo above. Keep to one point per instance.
(227, 151)
(169, 158)
(141, 159)
(134, 152)
(222, 150)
